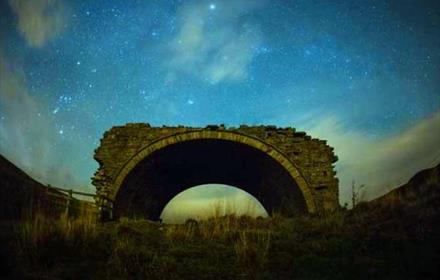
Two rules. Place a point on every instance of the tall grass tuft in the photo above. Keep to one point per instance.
(39, 240)
(252, 249)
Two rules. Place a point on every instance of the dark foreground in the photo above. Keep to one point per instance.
(394, 237)
(345, 245)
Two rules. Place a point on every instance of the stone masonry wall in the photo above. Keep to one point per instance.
(313, 157)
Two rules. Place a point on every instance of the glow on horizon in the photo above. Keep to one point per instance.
(208, 200)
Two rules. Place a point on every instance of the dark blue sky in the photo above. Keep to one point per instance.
(72, 69)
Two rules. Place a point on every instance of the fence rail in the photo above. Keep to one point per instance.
(102, 205)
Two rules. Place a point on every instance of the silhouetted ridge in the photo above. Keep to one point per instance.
(19, 193)
(422, 187)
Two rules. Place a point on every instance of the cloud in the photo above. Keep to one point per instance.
(380, 164)
(39, 20)
(27, 132)
(215, 44)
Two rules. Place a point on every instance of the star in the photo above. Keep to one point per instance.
(245, 62)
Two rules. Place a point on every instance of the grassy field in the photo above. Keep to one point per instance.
(342, 245)
(394, 237)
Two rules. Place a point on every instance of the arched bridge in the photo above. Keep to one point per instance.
(141, 168)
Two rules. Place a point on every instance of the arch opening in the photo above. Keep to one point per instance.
(165, 172)
(211, 200)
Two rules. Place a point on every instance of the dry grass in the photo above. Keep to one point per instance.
(227, 247)
(219, 226)
(252, 249)
(34, 234)
(40, 227)
(388, 239)
(249, 237)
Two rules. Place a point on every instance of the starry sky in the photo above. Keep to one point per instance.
(364, 75)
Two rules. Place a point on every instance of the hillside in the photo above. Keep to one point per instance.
(421, 188)
(21, 195)
(415, 204)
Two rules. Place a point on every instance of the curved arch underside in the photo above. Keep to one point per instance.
(156, 174)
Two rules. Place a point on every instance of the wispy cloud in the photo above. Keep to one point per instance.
(39, 20)
(381, 164)
(27, 132)
(215, 42)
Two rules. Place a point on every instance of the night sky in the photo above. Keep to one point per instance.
(364, 75)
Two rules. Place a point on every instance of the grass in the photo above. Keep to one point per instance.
(37, 241)
(335, 246)
(394, 238)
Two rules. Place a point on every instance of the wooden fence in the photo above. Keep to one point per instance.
(101, 206)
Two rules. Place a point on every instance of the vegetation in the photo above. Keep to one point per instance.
(343, 245)
(395, 237)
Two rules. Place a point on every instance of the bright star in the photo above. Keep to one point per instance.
(212, 7)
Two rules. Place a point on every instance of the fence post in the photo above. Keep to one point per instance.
(68, 202)
(105, 208)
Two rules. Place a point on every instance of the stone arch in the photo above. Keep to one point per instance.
(222, 135)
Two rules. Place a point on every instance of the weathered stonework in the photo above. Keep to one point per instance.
(294, 158)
